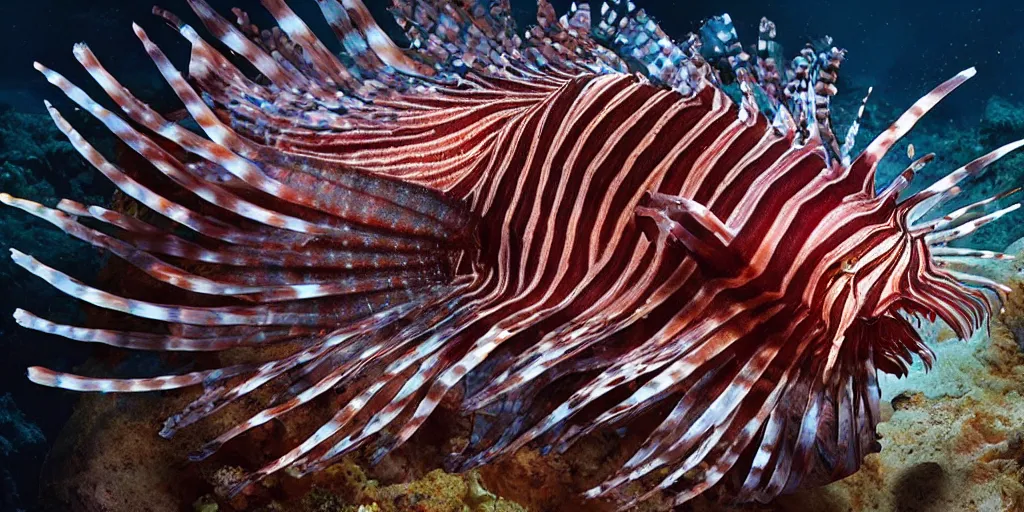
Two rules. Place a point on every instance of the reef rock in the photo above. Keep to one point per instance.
(35, 158)
(21, 446)
(1002, 117)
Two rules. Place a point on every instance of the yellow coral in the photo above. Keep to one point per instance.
(438, 491)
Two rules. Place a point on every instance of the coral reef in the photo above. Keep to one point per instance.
(436, 491)
(36, 159)
(21, 446)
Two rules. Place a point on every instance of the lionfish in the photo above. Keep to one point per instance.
(568, 230)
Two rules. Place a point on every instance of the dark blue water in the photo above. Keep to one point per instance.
(903, 48)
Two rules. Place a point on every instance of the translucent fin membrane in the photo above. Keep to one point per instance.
(575, 227)
(296, 255)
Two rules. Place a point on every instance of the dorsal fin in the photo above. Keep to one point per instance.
(866, 164)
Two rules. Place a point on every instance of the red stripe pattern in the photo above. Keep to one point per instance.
(567, 245)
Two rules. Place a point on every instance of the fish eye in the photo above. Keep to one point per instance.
(849, 264)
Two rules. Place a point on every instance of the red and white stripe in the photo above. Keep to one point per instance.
(583, 247)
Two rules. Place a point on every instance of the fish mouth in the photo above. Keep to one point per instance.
(895, 336)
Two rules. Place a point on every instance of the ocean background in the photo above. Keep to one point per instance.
(902, 48)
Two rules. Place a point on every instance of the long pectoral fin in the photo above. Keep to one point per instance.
(690, 224)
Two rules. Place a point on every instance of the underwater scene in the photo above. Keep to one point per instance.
(512, 255)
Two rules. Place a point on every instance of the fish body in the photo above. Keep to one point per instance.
(570, 231)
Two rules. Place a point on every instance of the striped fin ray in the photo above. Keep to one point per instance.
(956, 252)
(145, 237)
(298, 247)
(960, 215)
(724, 443)
(149, 341)
(672, 378)
(483, 34)
(50, 378)
(214, 228)
(348, 234)
(292, 286)
(108, 216)
(713, 335)
(167, 164)
(309, 313)
(572, 247)
(404, 360)
(865, 165)
(941, 191)
(359, 344)
(282, 77)
(954, 232)
(358, 32)
(418, 222)
(345, 366)
(321, 59)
